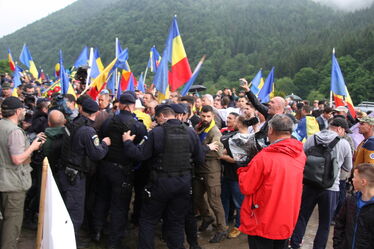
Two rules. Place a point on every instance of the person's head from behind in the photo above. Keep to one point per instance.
(339, 125)
(363, 177)
(276, 105)
(163, 113)
(306, 110)
(231, 120)
(241, 123)
(56, 119)
(206, 115)
(280, 127)
(127, 102)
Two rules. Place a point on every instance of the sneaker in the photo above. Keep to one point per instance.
(205, 224)
(218, 237)
(234, 233)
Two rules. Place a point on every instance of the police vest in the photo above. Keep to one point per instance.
(68, 156)
(115, 130)
(176, 157)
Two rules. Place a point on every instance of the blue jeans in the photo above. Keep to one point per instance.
(230, 189)
(327, 201)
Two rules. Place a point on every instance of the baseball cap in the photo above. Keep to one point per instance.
(367, 119)
(6, 85)
(340, 122)
(11, 103)
(341, 109)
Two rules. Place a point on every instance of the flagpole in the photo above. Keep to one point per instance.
(39, 234)
(90, 62)
(333, 53)
(118, 75)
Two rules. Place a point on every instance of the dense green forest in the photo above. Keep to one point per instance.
(239, 37)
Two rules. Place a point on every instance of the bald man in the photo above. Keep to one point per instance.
(54, 133)
(275, 106)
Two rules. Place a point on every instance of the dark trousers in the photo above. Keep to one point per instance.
(114, 197)
(257, 242)
(169, 196)
(327, 201)
(342, 194)
(74, 197)
(191, 226)
(230, 191)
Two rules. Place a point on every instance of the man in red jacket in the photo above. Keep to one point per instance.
(272, 185)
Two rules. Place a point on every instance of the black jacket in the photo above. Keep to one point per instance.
(354, 227)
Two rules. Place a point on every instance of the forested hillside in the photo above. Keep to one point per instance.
(238, 36)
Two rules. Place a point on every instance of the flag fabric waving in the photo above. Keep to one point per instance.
(12, 66)
(99, 63)
(339, 88)
(255, 88)
(180, 68)
(82, 60)
(180, 71)
(154, 59)
(141, 83)
(188, 85)
(268, 88)
(64, 79)
(16, 80)
(26, 59)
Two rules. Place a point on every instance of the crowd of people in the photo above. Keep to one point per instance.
(188, 162)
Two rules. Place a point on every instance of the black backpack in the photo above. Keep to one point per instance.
(321, 169)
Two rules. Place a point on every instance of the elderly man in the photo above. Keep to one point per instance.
(272, 184)
(275, 106)
(15, 178)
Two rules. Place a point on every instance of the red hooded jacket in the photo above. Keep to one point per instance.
(272, 185)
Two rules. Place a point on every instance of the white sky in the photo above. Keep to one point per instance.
(16, 14)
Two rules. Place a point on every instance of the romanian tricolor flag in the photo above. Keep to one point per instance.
(100, 82)
(26, 59)
(180, 71)
(338, 88)
(12, 66)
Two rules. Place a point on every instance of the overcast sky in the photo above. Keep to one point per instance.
(16, 14)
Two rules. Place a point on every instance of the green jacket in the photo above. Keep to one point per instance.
(13, 178)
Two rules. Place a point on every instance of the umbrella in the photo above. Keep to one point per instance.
(197, 88)
(294, 97)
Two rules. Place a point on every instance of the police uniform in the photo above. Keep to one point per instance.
(115, 175)
(81, 144)
(170, 147)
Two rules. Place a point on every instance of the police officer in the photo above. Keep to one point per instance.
(190, 221)
(80, 145)
(115, 173)
(171, 146)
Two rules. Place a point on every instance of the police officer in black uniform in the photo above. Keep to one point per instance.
(172, 147)
(80, 145)
(115, 173)
(180, 110)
